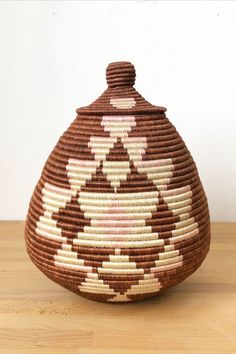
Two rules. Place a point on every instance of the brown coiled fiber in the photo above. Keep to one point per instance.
(119, 213)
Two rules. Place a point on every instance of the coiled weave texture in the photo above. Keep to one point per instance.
(119, 213)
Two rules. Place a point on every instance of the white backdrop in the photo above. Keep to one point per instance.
(53, 57)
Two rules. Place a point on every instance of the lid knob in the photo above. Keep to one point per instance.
(120, 74)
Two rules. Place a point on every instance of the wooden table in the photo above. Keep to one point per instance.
(39, 316)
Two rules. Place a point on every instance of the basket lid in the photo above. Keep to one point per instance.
(120, 97)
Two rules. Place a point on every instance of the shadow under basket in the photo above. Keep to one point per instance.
(119, 213)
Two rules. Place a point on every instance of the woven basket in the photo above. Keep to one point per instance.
(119, 213)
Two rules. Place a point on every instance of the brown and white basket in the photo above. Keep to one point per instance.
(119, 213)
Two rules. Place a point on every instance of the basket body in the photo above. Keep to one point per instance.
(119, 213)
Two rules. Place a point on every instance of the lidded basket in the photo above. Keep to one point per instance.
(119, 213)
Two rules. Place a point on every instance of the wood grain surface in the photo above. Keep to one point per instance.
(39, 316)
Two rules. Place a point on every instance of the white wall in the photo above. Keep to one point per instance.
(53, 57)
